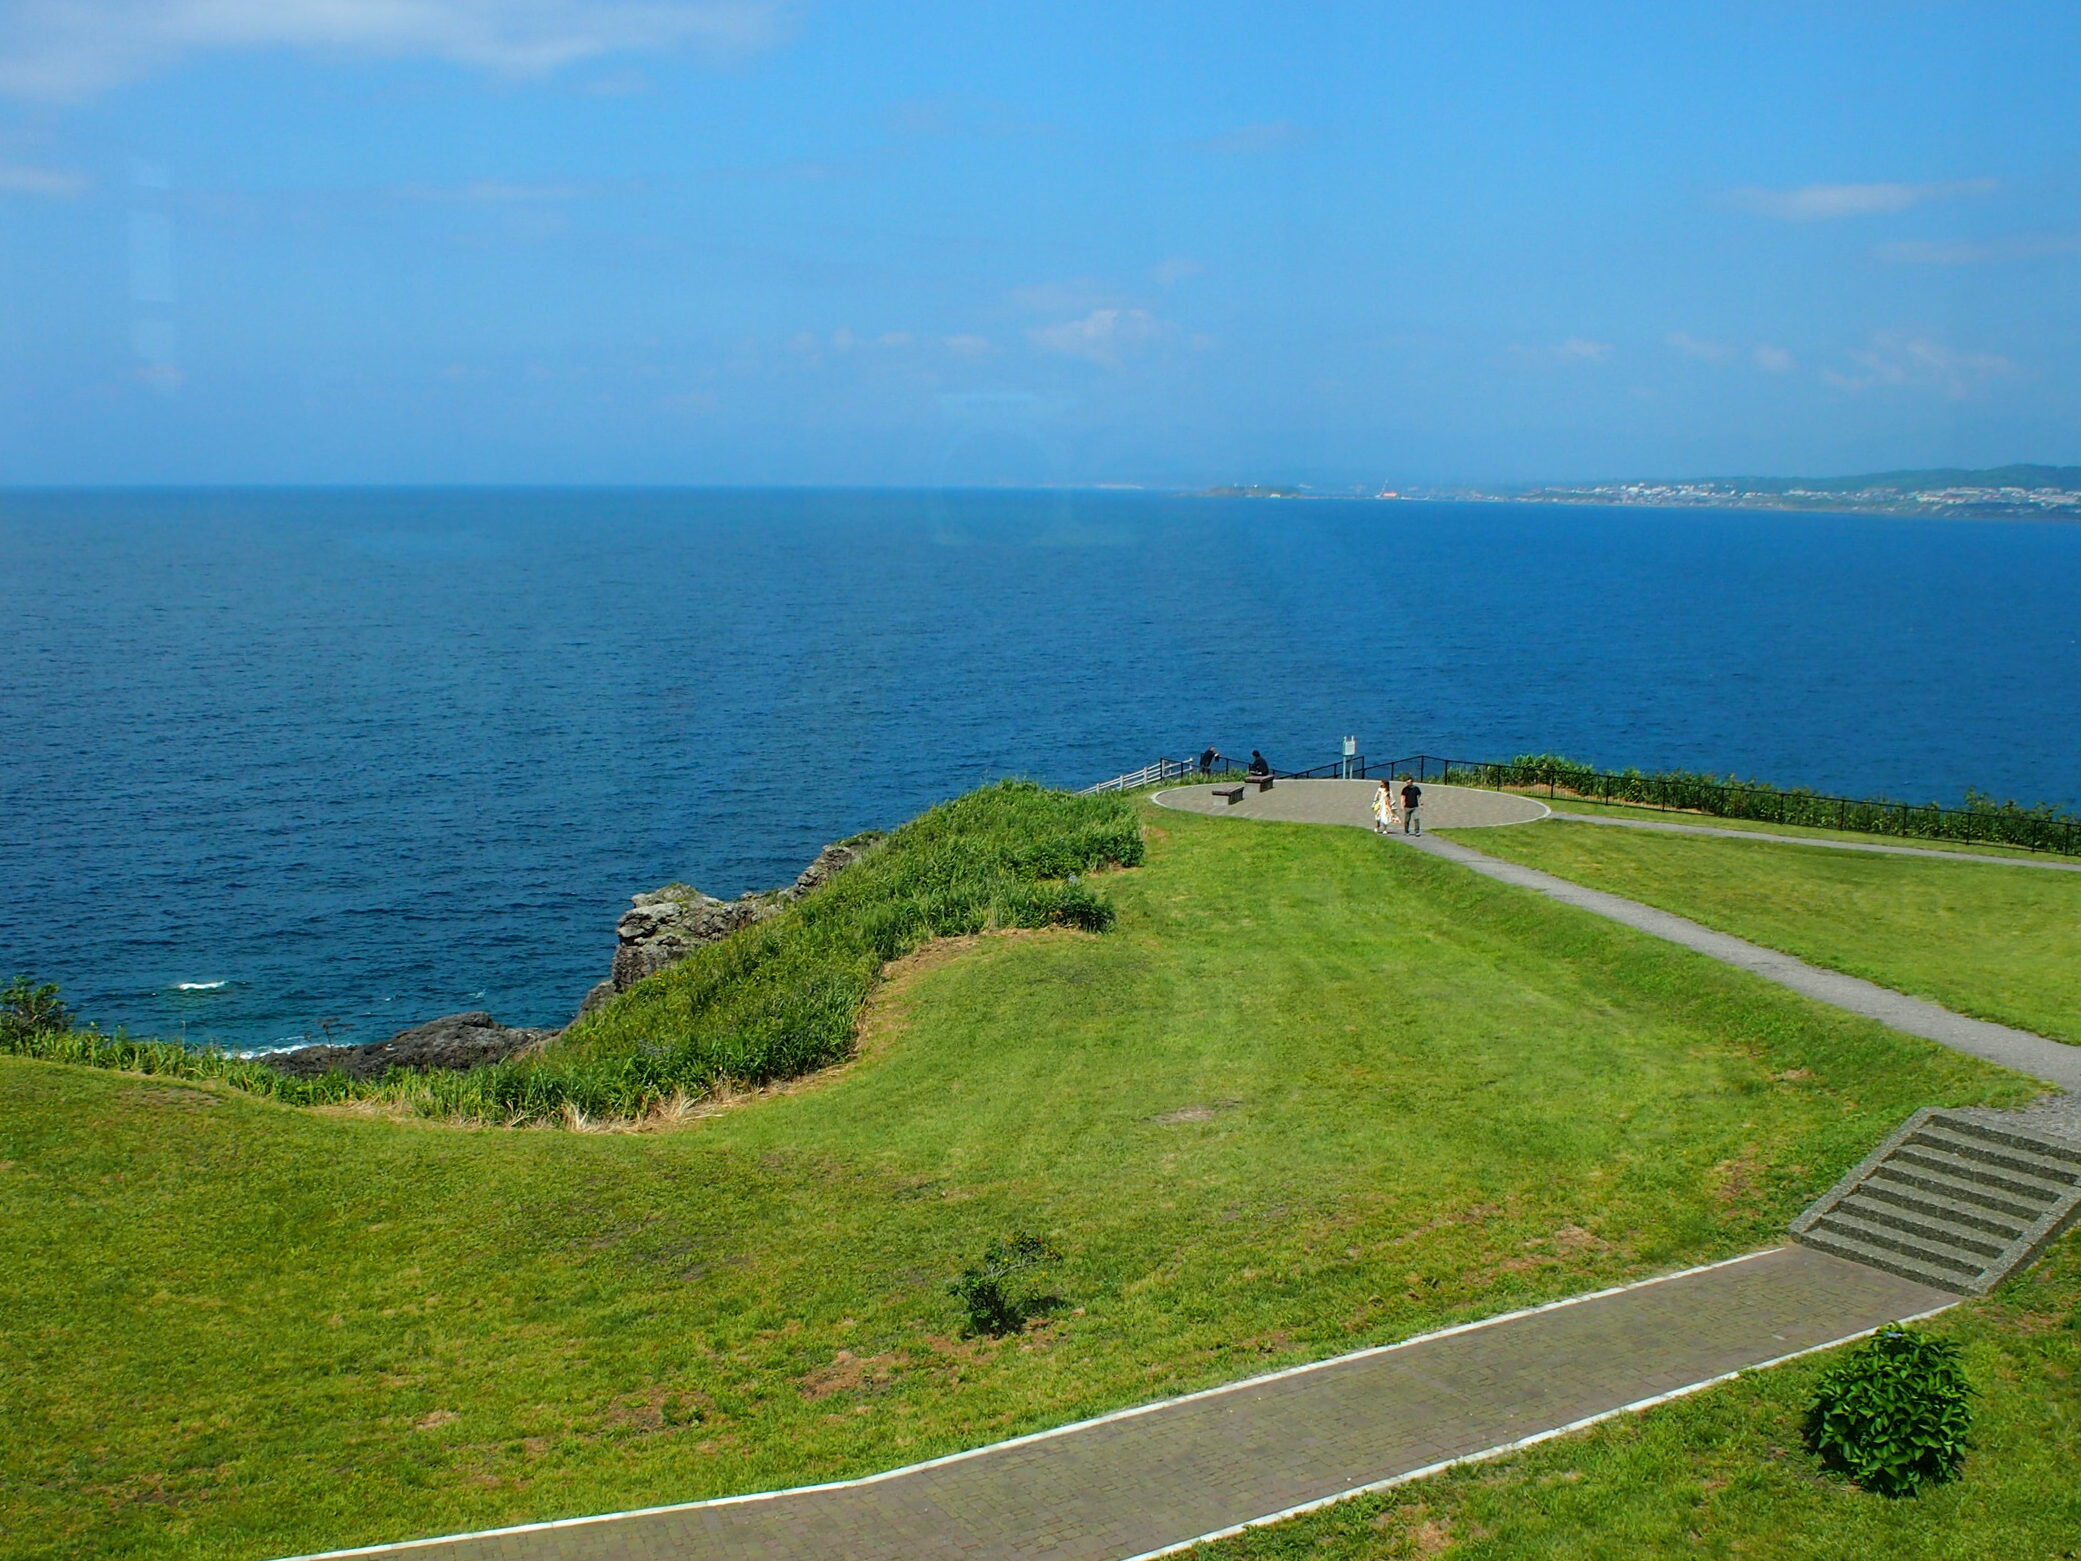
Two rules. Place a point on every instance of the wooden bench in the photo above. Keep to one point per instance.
(1233, 793)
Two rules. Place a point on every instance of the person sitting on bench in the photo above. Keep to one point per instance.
(1260, 770)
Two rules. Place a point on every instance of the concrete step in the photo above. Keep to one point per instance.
(1989, 1128)
(1953, 1200)
(1839, 1245)
(2007, 1179)
(1955, 1191)
(2033, 1164)
(1915, 1203)
(1938, 1257)
(1932, 1227)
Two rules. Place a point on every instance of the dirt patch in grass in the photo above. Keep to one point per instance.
(850, 1373)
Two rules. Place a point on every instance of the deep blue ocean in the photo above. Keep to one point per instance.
(272, 759)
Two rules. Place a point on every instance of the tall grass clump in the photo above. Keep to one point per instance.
(1982, 820)
(772, 1001)
(781, 997)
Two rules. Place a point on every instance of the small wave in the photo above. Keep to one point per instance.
(199, 986)
(286, 1043)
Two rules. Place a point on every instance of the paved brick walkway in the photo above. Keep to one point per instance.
(1147, 1481)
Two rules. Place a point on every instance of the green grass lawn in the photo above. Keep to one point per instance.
(1591, 807)
(1313, 1092)
(1998, 943)
(1725, 1473)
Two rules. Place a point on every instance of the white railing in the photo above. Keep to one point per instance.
(1148, 775)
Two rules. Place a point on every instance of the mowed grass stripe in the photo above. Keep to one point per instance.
(1994, 944)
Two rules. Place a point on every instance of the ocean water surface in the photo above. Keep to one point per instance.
(277, 764)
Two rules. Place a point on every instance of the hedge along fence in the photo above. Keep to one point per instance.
(1982, 821)
(775, 1000)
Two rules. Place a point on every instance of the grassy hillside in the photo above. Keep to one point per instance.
(1996, 942)
(1310, 1092)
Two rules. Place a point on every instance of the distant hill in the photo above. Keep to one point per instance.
(2067, 477)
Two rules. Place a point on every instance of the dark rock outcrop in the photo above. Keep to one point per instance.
(458, 1041)
(664, 926)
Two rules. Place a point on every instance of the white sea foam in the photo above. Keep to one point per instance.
(287, 1043)
(199, 986)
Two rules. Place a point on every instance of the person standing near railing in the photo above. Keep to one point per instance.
(1206, 760)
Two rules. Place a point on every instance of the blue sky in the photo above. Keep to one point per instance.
(684, 241)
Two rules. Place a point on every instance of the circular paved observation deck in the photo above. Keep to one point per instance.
(1351, 802)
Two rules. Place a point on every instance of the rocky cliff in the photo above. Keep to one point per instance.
(665, 925)
(659, 929)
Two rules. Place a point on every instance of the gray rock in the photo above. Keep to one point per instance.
(663, 927)
(458, 1041)
(833, 860)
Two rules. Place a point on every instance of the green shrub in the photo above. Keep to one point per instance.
(987, 1290)
(27, 1008)
(1894, 1413)
(2043, 827)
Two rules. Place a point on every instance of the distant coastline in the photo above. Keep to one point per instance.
(1994, 493)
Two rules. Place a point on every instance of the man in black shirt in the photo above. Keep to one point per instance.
(1206, 760)
(1258, 764)
(1412, 799)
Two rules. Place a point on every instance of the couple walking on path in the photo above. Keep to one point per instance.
(1388, 811)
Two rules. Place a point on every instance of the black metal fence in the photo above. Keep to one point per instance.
(1981, 822)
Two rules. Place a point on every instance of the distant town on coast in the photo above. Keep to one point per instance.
(1999, 492)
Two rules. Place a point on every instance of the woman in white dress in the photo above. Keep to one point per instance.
(1384, 815)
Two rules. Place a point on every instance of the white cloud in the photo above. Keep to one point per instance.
(1691, 347)
(1103, 336)
(1931, 253)
(1896, 360)
(1765, 356)
(72, 48)
(1819, 202)
(55, 183)
(970, 346)
(1175, 270)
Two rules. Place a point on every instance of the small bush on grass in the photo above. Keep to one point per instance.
(996, 1303)
(1894, 1413)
